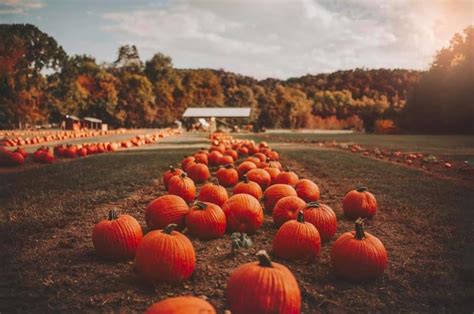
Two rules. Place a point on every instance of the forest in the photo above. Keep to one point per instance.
(40, 83)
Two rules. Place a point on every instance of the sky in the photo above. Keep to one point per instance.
(260, 38)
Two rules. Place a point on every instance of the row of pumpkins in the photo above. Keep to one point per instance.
(45, 155)
(21, 138)
(167, 255)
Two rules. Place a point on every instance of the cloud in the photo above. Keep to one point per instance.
(283, 38)
(19, 6)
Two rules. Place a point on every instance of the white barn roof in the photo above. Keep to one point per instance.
(208, 112)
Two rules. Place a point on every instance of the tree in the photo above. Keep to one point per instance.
(442, 101)
(24, 52)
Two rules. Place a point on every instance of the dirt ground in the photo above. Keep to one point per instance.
(59, 271)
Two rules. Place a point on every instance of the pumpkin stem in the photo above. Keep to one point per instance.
(287, 169)
(245, 178)
(359, 228)
(312, 205)
(264, 259)
(113, 214)
(171, 167)
(200, 205)
(300, 217)
(169, 228)
(183, 175)
(362, 189)
(229, 166)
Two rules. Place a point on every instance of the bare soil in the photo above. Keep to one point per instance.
(58, 271)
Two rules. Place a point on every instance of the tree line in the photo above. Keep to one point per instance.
(40, 83)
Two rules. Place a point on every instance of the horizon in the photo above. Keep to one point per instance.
(289, 39)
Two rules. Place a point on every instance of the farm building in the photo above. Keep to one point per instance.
(91, 123)
(71, 122)
(215, 114)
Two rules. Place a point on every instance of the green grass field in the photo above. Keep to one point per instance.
(426, 223)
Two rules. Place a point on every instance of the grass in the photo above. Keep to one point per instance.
(461, 146)
(427, 225)
(49, 196)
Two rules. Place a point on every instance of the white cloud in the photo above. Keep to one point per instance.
(290, 38)
(19, 6)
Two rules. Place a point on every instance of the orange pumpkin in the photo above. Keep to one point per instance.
(213, 158)
(118, 237)
(226, 160)
(186, 161)
(169, 174)
(273, 172)
(227, 176)
(206, 221)
(322, 217)
(286, 177)
(165, 210)
(165, 256)
(245, 167)
(358, 255)
(232, 153)
(243, 213)
(263, 287)
(198, 172)
(286, 209)
(182, 186)
(181, 305)
(307, 190)
(248, 187)
(297, 239)
(276, 192)
(213, 193)
(260, 176)
(201, 158)
(359, 203)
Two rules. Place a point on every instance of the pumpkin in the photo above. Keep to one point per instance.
(286, 177)
(322, 217)
(358, 255)
(232, 153)
(169, 174)
(276, 192)
(226, 160)
(359, 203)
(165, 210)
(82, 152)
(273, 155)
(242, 151)
(8, 158)
(260, 156)
(286, 209)
(253, 159)
(243, 213)
(118, 237)
(165, 256)
(307, 190)
(186, 161)
(206, 221)
(248, 187)
(245, 167)
(198, 172)
(297, 239)
(263, 287)
(213, 158)
(260, 176)
(22, 151)
(273, 172)
(181, 305)
(201, 158)
(227, 175)
(213, 193)
(182, 186)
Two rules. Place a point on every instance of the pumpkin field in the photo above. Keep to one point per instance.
(243, 223)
